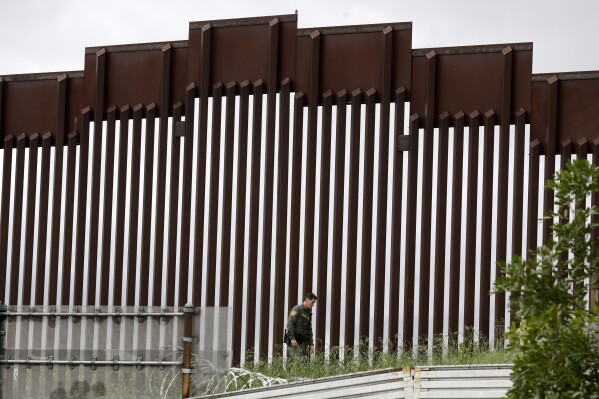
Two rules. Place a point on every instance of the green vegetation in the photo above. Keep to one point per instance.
(467, 352)
(557, 338)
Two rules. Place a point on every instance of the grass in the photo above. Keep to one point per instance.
(362, 358)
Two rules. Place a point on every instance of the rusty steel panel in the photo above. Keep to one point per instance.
(241, 49)
(471, 79)
(146, 213)
(68, 230)
(310, 185)
(120, 204)
(456, 223)
(134, 203)
(201, 159)
(533, 194)
(396, 217)
(471, 210)
(269, 139)
(43, 214)
(440, 250)
(487, 221)
(17, 222)
(159, 249)
(173, 204)
(409, 277)
(30, 215)
(177, 76)
(33, 103)
(80, 232)
(238, 259)
(227, 193)
(338, 216)
(75, 103)
(353, 57)
(253, 251)
(367, 190)
(281, 217)
(381, 216)
(323, 228)
(548, 146)
(518, 192)
(4, 207)
(352, 219)
(577, 107)
(60, 138)
(213, 196)
(296, 185)
(96, 154)
(26, 98)
(427, 189)
(186, 200)
(108, 194)
(134, 75)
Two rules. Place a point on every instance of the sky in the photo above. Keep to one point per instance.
(51, 35)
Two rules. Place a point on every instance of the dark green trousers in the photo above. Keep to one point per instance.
(301, 350)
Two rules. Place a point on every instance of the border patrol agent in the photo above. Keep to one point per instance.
(299, 327)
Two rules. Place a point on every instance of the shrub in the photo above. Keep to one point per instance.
(555, 335)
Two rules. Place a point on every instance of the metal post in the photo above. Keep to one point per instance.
(3, 325)
(188, 340)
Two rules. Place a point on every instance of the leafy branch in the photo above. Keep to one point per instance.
(556, 332)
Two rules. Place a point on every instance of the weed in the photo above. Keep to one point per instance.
(448, 350)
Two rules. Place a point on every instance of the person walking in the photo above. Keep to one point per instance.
(299, 327)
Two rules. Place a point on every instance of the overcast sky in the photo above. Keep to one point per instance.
(51, 35)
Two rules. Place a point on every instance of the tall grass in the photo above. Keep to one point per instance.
(363, 357)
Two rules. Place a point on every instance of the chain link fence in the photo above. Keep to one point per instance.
(112, 352)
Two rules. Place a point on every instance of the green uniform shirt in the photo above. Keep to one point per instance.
(299, 324)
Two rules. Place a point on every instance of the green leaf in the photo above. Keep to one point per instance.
(557, 339)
